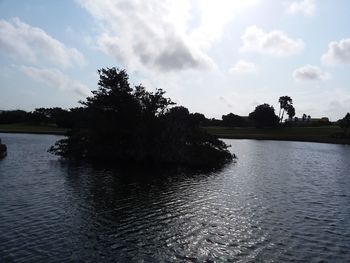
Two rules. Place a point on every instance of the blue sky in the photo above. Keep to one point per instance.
(213, 57)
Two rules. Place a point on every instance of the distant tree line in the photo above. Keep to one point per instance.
(14, 116)
(262, 116)
(44, 116)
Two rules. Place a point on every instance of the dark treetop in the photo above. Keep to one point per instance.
(122, 124)
(264, 116)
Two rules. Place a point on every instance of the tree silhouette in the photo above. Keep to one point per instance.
(198, 118)
(291, 112)
(285, 102)
(121, 125)
(345, 124)
(13, 116)
(232, 120)
(304, 117)
(264, 116)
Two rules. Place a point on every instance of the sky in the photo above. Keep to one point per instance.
(211, 56)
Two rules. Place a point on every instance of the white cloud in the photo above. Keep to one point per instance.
(213, 18)
(243, 67)
(54, 78)
(275, 43)
(337, 53)
(338, 106)
(147, 34)
(22, 41)
(167, 35)
(310, 72)
(305, 7)
(225, 101)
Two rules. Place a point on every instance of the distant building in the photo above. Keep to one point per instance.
(309, 121)
(323, 119)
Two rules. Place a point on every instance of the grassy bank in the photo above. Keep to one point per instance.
(308, 134)
(30, 128)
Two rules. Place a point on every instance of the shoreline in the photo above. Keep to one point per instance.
(32, 129)
(34, 132)
(300, 134)
(287, 139)
(220, 136)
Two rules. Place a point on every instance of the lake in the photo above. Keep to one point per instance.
(279, 202)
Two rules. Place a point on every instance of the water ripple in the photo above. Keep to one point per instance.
(281, 202)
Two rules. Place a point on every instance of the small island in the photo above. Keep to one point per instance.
(121, 124)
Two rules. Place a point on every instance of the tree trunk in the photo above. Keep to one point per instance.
(279, 114)
(282, 116)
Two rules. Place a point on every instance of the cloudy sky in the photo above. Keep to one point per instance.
(212, 56)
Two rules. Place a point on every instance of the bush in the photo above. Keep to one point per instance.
(121, 124)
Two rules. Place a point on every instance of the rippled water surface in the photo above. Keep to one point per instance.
(280, 202)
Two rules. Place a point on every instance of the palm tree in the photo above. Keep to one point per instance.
(285, 102)
(304, 117)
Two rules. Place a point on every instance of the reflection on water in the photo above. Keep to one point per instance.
(281, 202)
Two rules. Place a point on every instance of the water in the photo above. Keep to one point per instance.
(280, 202)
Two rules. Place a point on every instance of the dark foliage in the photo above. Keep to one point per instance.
(14, 116)
(264, 116)
(121, 124)
(285, 103)
(232, 120)
(198, 118)
(291, 111)
(212, 122)
(62, 118)
(345, 124)
(41, 116)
